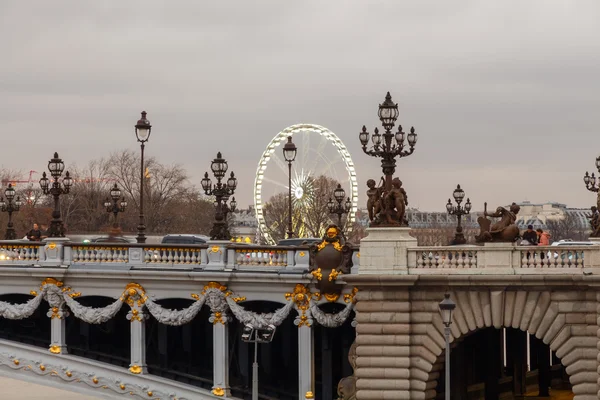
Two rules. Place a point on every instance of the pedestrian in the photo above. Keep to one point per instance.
(543, 237)
(35, 235)
(530, 236)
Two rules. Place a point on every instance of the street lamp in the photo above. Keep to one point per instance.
(10, 206)
(446, 308)
(221, 191)
(256, 336)
(337, 206)
(590, 181)
(142, 132)
(289, 153)
(53, 187)
(388, 146)
(459, 211)
(114, 206)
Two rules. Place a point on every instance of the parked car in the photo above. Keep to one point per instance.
(298, 241)
(113, 239)
(184, 239)
(568, 242)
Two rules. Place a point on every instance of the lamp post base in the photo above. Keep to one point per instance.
(459, 238)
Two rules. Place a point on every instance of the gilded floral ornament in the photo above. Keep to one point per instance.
(214, 285)
(332, 297)
(317, 274)
(334, 274)
(218, 392)
(351, 297)
(54, 349)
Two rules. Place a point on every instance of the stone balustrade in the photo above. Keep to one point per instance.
(500, 258)
(493, 258)
(212, 256)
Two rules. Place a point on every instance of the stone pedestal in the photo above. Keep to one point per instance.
(385, 251)
(216, 255)
(52, 254)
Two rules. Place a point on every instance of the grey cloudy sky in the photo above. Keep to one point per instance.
(504, 94)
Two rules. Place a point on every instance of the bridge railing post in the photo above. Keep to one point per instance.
(216, 255)
(305, 359)
(137, 317)
(58, 316)
(220, 322)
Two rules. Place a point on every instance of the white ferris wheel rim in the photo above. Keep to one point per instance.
(266, 156)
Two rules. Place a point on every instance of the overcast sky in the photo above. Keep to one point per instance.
(504, 95)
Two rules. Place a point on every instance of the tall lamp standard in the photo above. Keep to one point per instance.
(590, 181)
(56, 167)
(446, 308)
(142, 132)
(459, 211)
(337, 207)
(10, 206)
(388, 146)
(114, 206)
(289, 153)
(256, 336)
(222, 191)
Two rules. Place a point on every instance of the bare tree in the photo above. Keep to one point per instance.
(276, 214)
(163, 187)
(567, 227)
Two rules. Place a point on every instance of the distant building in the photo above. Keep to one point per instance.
(538, 214)
(244, 224)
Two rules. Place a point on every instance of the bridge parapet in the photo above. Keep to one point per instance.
(213, 256)
(502, 259)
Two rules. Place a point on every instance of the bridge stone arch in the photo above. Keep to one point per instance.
(401, 332)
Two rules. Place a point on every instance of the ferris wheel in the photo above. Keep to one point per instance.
(320, 154)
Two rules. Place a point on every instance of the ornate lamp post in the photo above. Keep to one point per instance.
(142, 132)
(56, 167)
(10, 206)
(459, 211)
(590, 181)
(388, 146)
(221, 191)
(289, 153)
(446, 308)
(338, 207)
(114, 206)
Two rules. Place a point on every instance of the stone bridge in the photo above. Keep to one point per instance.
(156, 321)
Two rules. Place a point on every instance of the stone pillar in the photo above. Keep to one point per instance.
(383, 346)
(220, 354)
(137, 316)
(306, 373)
(58, 317)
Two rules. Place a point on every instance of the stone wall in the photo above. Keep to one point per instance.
(400, 332)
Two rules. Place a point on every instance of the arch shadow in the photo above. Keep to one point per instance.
(181, 353)
(34, 330)
(108, 342)
(277, 361)
(331, 347)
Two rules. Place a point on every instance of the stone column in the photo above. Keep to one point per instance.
(220, 354)
(306, 372)
(58, 316)
(137, 316)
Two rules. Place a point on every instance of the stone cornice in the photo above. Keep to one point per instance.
(539, 280)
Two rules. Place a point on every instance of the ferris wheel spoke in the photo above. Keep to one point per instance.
(305, 149)
(265, 179)
(280, 163)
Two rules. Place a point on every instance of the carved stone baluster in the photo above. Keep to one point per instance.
(220, 321)
(188, 259)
